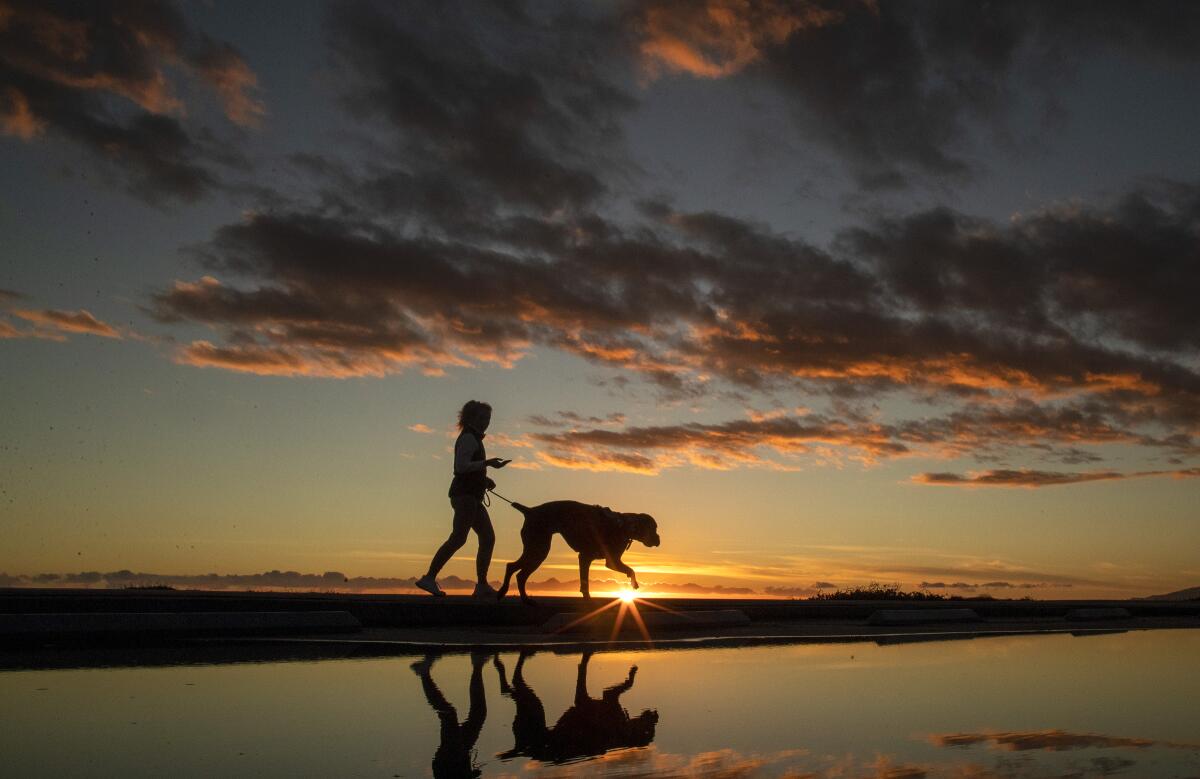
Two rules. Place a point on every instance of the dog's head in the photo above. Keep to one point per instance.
(642, 527)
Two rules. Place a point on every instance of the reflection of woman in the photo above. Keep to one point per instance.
(466, 496)
(453, 757)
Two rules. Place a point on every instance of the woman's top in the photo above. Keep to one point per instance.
(470, 472)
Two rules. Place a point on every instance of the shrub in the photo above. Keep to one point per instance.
(877, 591)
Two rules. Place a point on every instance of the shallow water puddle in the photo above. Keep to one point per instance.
(1027, 706)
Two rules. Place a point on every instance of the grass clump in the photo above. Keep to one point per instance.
(877, 591)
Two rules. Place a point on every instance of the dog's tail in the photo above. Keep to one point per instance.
(521, 507)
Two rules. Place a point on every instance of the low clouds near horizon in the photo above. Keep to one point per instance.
(335, 581)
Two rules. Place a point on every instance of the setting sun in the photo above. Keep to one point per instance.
(629, 596)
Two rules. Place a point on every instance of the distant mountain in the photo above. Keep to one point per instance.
(1191, 593)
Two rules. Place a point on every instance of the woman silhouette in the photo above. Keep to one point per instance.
(466, 496)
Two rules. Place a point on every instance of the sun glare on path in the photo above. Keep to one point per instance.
(627, 602)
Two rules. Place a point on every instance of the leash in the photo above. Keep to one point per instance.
(488, 502)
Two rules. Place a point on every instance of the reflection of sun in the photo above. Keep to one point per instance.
(627, 595)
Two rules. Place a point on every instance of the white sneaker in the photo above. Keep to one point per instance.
(430, 585)
(484, 590)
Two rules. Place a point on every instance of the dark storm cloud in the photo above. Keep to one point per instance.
(1131, 271)
(518, 104)
(99, 76)
(897, 87)
(479, 231)
(685, 298)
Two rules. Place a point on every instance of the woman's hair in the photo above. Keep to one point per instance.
(471, 411)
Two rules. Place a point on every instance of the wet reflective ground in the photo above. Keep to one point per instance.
(1029, 706)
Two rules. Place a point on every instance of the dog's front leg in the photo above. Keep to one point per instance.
(615, 564)
(585, 565)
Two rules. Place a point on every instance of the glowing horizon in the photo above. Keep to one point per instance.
(828, 323)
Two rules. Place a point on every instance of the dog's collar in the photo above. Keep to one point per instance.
(626, 524)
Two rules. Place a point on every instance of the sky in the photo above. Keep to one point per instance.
(839, 292)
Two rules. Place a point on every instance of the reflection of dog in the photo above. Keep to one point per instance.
(592, 726)
(595, 532)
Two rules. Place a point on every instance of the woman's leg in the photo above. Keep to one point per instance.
(463, 520)
(487, 542)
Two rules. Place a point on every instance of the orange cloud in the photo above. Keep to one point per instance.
(80, 321)
(231, 78)
(718, 38)
(651, 761)
(603, 461)
(754, 442)
(124, 52)
(420, 428)
(273, 361)
(16, 117)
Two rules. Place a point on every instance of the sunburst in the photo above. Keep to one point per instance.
(627, 602)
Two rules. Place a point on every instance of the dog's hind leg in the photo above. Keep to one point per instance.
(509, 570)
(536, 550)
(517, 564)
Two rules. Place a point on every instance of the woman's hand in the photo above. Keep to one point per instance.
(496, 462)
(491, 485)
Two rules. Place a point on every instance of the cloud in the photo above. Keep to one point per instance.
(221, 67)
(497, 152)
(275, 579)
(652, 761)
(334, 581)
(717, 38)
(80, 321)
(514, 104)
(1034, 478)
(714, 446)
(897, 88)
(571, 418)
(100, 78)
(1124, 272)
(421, 428)
(1050, 740)
(776, 440)
(343, 298)
(998, 585)
(277, 360)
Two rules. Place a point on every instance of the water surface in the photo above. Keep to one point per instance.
(1028, 706)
